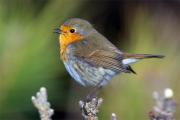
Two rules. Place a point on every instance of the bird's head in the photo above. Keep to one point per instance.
(73, 30)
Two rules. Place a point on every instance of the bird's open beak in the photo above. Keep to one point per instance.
(57, 30)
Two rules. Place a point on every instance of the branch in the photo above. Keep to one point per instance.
(43, 106)
(113, 116)
(165, 106)
(90, 109)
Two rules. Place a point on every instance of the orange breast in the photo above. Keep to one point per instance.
(66, 38)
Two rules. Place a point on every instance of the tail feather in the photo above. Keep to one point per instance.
(132, 58)
(142, 56)
(129, 68)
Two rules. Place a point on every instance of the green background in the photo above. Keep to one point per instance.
(29, 55)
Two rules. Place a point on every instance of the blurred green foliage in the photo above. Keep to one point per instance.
(29, 56)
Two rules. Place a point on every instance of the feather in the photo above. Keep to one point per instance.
(129, 61)
(132, 58)
(142, 56)
(106, 59)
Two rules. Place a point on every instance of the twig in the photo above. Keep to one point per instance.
(165, 106)
(113, 116)
(43, 106)
(90, 108)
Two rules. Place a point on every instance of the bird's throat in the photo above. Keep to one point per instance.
(66, 39)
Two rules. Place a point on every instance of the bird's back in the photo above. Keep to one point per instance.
(93, 42)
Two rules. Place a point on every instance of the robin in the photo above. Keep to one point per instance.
(89, 57)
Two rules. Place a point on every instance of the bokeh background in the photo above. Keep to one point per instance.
(29, 55)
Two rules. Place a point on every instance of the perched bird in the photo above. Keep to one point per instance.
(89, 57)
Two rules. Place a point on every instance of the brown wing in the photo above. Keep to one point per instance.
(106, 59)
(96, 50)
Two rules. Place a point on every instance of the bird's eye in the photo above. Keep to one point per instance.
(72, 30)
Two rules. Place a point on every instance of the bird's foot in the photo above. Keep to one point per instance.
(89, 97)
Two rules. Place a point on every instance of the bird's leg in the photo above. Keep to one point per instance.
(94, 91)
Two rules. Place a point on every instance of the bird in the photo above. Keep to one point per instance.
(89, 57)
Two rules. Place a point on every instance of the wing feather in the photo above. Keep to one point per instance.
(106, 59)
